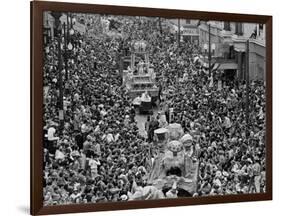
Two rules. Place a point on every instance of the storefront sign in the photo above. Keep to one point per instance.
(190, 31)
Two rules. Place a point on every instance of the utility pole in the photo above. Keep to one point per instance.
(66, 39)
(247, 88)
(179, 33)
(67, 25)
(160, 25)
(57, 16)
(209, 54)
(71, 21)
(65, 52)
(61, 117)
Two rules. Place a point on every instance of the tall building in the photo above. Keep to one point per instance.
(229, 47)
(188, 29)
(48, 27)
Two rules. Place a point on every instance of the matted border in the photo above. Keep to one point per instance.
(36, 165)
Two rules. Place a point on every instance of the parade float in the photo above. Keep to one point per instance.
(174, 171)
(139, 76)
(176, 164)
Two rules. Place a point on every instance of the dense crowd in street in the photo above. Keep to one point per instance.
(98, 155)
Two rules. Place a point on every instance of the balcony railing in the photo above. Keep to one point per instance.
(224, 60)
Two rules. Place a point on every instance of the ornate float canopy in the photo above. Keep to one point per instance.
(140, 46)
(175, 146)
(175, 131)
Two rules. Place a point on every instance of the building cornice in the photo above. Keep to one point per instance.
(239, 38)
(257, 41)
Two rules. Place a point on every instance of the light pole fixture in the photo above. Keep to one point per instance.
(213, 48)
(65, 52)
(179, 33)
(247, 87)
(71, 31)
(73, 21)
(57, 16)
(210, 56)
(69, 46)
(205, 47)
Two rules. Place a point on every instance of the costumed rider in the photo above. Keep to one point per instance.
(189, 149)
(145, 97)
(141, 67)
(136, 101)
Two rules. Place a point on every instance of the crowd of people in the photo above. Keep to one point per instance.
(232, 150)
(96, 154)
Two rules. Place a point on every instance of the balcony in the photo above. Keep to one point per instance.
(224, 60)
(227, 36)
(239, 42)
(257, 41)
(226, 64)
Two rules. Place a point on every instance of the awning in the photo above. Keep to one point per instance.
(216, 66)
(227, 66)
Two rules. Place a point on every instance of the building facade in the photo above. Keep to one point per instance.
(188, 29)
(48, 27)
(229, 47)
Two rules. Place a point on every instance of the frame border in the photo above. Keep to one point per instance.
(36, 112)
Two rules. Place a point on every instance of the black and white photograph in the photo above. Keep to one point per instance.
(148, 108)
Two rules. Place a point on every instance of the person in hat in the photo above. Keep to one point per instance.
(162, 120)
(146, 125)
(187, 140)
(85, 129)
(109, 136)
(154, 124)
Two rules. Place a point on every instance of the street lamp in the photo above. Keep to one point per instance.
(71, 31)
(213, 48)
(65, 51)
(205, 47)
(73, 20)
(247, 87)
(210, 57)
(179, 33)
(69, 46)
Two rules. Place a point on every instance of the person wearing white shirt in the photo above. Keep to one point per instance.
(51, 134)
(94, 163)
(227, 123)
(52, 139)
(59, 154)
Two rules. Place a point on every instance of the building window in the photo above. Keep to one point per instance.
(46, 35)
(187, 21)
(226, 26)
(260, 29)
(238, 29)
(231, 54)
